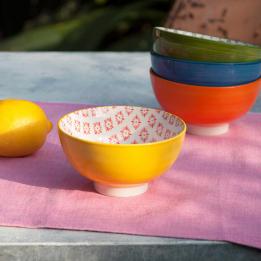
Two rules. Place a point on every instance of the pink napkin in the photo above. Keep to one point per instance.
(213, 191)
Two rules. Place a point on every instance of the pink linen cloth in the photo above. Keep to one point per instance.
(213, 191)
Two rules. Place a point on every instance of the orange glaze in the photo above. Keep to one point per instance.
(202, 104)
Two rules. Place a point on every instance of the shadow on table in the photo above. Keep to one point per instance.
(46, 168)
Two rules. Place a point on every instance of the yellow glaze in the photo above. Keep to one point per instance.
(121, 164)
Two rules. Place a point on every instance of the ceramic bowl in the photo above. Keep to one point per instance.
(197, 47)
(207, 111)
(205, 73)
(121, 148)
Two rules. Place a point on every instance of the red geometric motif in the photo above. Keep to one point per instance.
(119, 117)
(114, 139)
(165, 115)
(159, 129)
(144, 111)
(85, 113)
(178, 123)
(152, 120)
(108, 124)
(86, 128)
(128, 110)
(144, 134)
(105, 120)
(171, 120)
(126, 133)
(167, 134)
(77, 125)
(97, 128)
(136, 122)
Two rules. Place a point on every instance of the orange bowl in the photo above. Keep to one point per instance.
(207, 111)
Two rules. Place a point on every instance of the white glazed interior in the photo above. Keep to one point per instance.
(121, 125)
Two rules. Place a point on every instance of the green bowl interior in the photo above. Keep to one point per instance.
(188, 45)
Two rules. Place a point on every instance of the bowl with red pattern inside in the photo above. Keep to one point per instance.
(121, 148)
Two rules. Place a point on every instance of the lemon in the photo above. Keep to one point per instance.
(23, 128)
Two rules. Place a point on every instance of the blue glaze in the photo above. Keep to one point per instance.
(205, 73)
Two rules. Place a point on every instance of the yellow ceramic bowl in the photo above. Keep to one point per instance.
(121, 148)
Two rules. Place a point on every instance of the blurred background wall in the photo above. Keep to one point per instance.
(233, 19)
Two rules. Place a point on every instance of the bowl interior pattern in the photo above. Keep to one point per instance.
(121, 125)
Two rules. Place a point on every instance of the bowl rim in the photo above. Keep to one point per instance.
(211, 88)
(182, 133)
(206, 37)
(165, 57)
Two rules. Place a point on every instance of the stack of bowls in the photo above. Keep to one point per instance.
(207, 81)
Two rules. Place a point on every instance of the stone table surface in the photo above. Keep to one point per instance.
(94, 78)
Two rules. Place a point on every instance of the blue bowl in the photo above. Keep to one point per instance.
(205, 73)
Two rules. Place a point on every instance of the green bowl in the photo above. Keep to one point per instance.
(198, 47)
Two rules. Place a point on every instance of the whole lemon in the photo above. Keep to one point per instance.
(23, 128)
